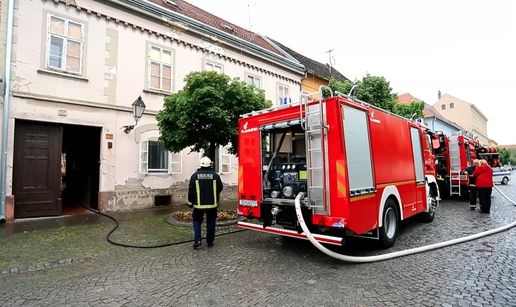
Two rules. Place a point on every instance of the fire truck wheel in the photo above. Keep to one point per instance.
(389, 229)
(428, 217)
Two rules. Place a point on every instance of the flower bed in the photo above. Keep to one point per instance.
(184, 218)
(221, 215)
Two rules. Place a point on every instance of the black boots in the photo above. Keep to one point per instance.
(196, 244)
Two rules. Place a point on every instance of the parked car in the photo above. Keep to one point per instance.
(501, 175)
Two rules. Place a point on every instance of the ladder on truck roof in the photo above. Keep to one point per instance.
(455, 189)
(316, 151)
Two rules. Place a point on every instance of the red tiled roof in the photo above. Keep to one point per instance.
(507, 146)
(405, 98)
(198, 14)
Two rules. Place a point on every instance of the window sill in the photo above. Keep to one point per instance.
(63, 75)
(162, 174)
(157, 92)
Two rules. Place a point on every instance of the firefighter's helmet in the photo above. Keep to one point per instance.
(205, 162)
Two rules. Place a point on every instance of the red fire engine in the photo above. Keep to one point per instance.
(362, 169)
(453, 155)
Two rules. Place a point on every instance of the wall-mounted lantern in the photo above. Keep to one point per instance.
(138, 108)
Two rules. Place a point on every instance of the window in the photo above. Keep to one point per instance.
(443, 107)
(452, 105)
(154, 159)
(428, 142)
(224, 160)
(213, 67)
(222, 163)
(160, 69)
(64, 45)
(283, 92)
(158, 158)
(256, 81)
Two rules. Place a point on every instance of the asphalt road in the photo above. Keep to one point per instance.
(254, 269)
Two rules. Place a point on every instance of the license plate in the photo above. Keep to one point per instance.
(248, 203)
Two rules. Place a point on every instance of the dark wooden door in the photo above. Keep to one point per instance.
(37, 169)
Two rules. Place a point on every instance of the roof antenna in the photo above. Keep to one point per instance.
(249, 14)
(331, 59)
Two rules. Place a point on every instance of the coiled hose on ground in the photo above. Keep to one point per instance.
(412, 251)
(148, 246)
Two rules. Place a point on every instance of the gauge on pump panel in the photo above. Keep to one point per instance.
(293, 167)
(288, 166)
(283, 167)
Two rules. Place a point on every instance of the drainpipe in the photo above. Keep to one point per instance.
(7, 93)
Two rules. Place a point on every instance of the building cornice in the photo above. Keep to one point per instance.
(76, 102)
(134, 26)
(479, 112)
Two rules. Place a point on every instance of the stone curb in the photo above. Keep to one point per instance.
(172, 221)
(61, 262)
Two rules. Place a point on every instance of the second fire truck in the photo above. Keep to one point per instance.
(362, 169)
(453, 154)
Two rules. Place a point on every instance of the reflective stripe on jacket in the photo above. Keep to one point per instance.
(204, 189)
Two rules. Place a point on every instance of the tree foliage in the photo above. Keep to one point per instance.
(205, 113)
(408, 110)
(378, 92)
(507, 155)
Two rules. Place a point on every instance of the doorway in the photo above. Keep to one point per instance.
(80, 164)
(55, 169)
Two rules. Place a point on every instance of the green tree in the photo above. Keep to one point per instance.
(504, 155)
(507, 155)
(205, 113)
(378, 92)
(407, 110)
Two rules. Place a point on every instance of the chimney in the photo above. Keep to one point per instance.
(439, 94)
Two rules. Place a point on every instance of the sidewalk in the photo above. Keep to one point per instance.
(43, 243)
(22, 225)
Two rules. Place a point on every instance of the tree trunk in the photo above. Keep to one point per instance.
(213, 147)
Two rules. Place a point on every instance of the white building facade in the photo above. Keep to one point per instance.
(77, 67)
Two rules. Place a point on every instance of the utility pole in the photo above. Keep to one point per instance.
(331, 60)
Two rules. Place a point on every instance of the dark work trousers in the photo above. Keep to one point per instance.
(484, 194)
(472, 197)
(211, 219)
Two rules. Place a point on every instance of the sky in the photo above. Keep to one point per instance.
(465, 48)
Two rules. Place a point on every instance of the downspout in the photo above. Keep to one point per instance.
(7, 93)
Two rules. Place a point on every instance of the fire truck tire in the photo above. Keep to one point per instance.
(428, 217)
(391, 221)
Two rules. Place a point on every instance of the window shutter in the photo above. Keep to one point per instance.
(225, 160)
(144, 156)
(218, 153)
(176, 163)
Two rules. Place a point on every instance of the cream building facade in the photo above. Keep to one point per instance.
(77, 67)
(465, 114)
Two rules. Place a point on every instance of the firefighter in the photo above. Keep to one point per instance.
(472, 187)
(203, 195)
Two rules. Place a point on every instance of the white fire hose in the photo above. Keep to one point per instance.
(412, 251)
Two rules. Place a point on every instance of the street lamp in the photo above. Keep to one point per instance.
(138, 108)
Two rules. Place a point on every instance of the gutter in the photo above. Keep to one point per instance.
(5, 121)
(151, 10)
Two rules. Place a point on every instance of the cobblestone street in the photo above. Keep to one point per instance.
(254, 269)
